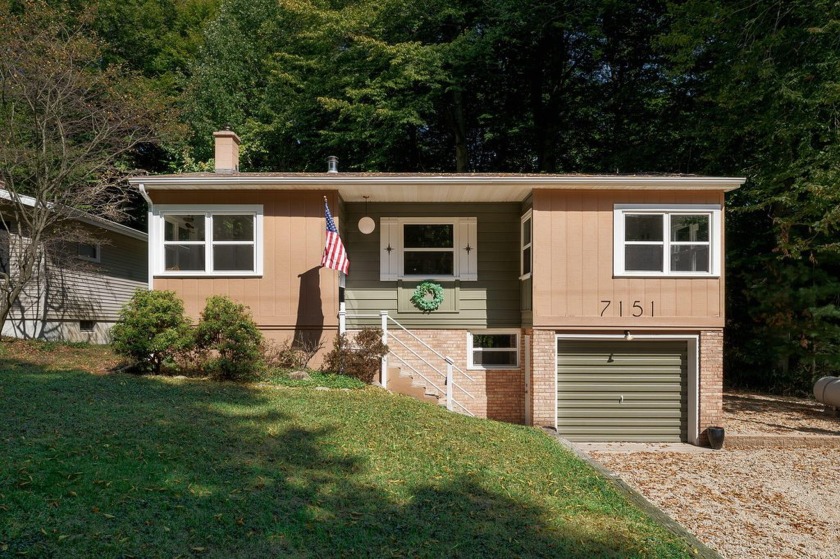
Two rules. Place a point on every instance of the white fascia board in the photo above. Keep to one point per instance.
(433, 188)
(307, 182)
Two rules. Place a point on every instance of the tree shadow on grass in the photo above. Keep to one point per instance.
(121, 466)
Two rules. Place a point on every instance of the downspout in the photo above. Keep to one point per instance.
(151, 238)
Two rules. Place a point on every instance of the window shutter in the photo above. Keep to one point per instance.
(468, 249)
(389, 249)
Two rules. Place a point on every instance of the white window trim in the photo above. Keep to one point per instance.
(508, 332)
(97, 258)
(156, 238)
(715, 237)
(522, 246)
(459, 224)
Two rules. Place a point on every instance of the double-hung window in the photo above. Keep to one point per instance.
(440, 248)
(679, 240)
(493, 349)
(208, 240)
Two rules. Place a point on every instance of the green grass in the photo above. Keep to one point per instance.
(125, 466)
(316, 378)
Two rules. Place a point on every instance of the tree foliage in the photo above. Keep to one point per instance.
(66, 120)
(435, 86)
(766, 82)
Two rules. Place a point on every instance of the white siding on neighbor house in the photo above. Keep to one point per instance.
(53, 304)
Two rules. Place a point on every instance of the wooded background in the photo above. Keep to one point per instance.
(744, 88)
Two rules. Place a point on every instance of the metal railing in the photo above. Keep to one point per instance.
(389, 336)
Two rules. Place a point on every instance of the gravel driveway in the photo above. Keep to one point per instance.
(778, 498)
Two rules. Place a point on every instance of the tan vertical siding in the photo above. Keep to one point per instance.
(573, 270)
(294, 292)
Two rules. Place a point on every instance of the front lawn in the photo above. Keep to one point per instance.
(122, 466)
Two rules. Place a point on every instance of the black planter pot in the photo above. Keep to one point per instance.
(715, 435)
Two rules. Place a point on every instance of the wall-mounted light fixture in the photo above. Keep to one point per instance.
(628, 336)
(366, 224)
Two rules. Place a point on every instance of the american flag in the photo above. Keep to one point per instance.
(335, 256)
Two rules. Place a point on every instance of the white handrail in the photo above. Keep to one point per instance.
(432, 367)
(450, 364)
(424, 344)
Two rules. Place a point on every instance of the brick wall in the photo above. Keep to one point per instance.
(543, 378)
(497, 394)
(711, 381)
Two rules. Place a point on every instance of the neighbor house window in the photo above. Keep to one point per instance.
(493, 349)
(680, 240)
(87, 325)
(525, 242)
(428, 248)
(209, 240)
(88, 251)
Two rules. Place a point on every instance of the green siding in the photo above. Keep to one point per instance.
(622, 391)
(491, 302)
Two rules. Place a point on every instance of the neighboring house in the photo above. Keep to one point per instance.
(591, 304)
(81, 300)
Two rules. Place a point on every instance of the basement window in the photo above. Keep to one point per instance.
(493, 349)
(88, 251)
(87, 326)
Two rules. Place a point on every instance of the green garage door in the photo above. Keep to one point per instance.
(622, 390)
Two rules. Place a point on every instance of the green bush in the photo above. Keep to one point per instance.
(228, 332)
(359, 357)
(151, 329)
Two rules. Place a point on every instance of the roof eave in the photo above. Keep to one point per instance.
(458, 187)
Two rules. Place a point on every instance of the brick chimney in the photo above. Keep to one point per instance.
(227, 151)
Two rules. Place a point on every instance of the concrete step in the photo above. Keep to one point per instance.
(404, 385)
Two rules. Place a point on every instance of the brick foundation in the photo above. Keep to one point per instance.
(500, 394)
(710, 394)
(497, 394)
(543, 378)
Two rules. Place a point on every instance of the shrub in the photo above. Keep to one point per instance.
(151, 329)
(359, 357)
(290, 355)
(227, 330)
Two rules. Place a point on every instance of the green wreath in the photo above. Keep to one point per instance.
(420, 297)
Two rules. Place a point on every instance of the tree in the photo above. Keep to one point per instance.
(396, 85)
(65, 123)
(764, 79)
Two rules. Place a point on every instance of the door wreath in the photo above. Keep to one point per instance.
(428, 296)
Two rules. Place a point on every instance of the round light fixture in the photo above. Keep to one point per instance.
(366, 224)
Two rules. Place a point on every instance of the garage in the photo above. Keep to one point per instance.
(622, 390)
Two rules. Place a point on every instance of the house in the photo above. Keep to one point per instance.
(79, 298)
(590, 304)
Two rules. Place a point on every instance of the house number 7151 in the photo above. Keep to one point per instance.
(635, 310)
